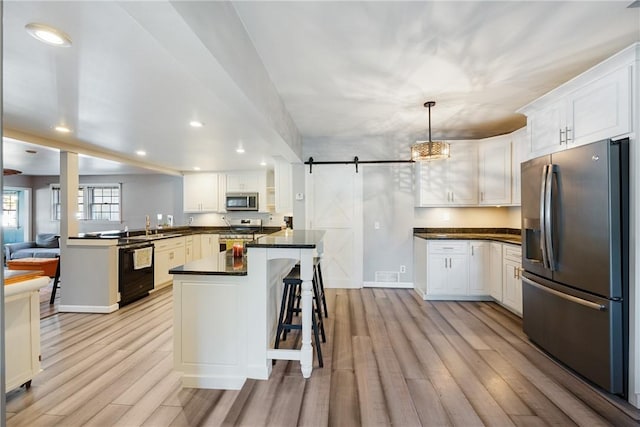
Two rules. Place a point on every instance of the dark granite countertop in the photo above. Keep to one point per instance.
(303, 239)
(504, 235)
(233, 266)
(138, 236)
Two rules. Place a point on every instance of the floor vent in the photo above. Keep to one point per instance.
(387, 276)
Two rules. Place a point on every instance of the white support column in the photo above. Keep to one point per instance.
(69, 183)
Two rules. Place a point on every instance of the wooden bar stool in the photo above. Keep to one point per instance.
(317, 271)
(56, 281)
(292, 285)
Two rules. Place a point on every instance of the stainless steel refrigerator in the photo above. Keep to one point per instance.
(575, 207)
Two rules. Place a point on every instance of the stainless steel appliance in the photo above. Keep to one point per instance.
(241, 201)
(133, 283)
(575, 208)
(244, 230)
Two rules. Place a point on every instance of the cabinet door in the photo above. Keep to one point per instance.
(462, 173)
(601, 109)
(437, 274)
(206, 246)
(519, 155)
(200, 192)
(431, 179)
(479, 268)
(545, 127)
(160, 268)
(512, 286)
(188, 252)
(458, 275)
(197, 246)
(243, 182)
(495, 270)
(494, 171)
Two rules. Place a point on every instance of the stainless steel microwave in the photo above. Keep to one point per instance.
(241, 202)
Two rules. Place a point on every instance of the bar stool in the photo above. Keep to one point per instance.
(292, 286)
(317, 271)
(56, 281)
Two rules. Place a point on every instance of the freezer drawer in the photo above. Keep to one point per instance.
(583, 332)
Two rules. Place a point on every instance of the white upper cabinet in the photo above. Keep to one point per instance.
(494, 170)
(449, 182)
(593, 106)
(243, 182)
(200, 192)
(518, 155)
(601, 109)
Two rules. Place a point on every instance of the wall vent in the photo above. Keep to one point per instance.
(387, 276)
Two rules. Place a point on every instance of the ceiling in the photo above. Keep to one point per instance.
(273, 77)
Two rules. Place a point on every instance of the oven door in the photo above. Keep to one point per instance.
(133, 283)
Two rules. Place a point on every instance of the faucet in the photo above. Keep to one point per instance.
(147, 225)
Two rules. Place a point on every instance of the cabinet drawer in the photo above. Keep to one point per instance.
(513, 253)
(448, 247)
(167, 244)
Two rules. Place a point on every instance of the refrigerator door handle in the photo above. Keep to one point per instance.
(543, 234)
(548, 216)
(567, 297)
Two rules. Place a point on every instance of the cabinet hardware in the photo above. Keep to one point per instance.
(472, 251)
(170, 255)
(567, 130)
(447, 248)
(514, 273)
(445, 263)
(561, 134)
(482, 196)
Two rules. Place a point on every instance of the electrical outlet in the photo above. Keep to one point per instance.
(403, 269)
(376, 225)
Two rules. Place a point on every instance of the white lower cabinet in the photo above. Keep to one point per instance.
(209, 245)
(168, 253)
(468, 270)
(512, 279)
(495, 270)
(447, 268)
(479, 268)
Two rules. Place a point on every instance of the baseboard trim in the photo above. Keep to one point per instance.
(102, 309)
(213, 382)
(395, 285)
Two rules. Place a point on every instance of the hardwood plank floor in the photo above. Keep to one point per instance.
(390, 359)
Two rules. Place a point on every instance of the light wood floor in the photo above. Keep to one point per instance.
(390, 359)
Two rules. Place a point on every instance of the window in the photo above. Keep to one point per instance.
(96, 202)
(10, 202)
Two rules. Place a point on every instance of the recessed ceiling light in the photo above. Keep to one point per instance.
(263, 163)
(196, 168)
(62, 129)
(240, 150)
(141, 153)
(49, 35)
(196, 124)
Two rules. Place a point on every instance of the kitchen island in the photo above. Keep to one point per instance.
(225, 315)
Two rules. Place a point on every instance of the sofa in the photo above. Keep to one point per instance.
(46, 245)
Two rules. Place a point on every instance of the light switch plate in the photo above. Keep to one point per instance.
(299, 196)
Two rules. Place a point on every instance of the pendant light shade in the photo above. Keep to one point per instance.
(429, 150)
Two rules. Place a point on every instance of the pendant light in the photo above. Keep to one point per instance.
(429, 150)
